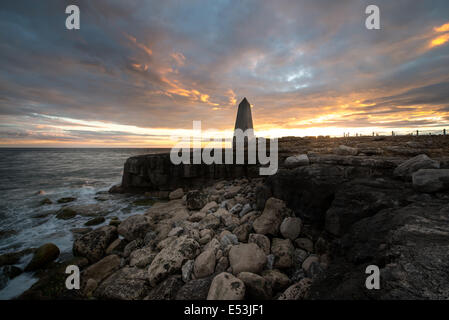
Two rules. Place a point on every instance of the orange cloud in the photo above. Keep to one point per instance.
(438, 41)
(442, 28)
(140, 45)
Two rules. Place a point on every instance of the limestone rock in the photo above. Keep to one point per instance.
(226, 287)
(291, 228)
(297, 291)
(262, 242)
(134, 227)
(195, 200)
(346, 151)
(204, 264)
(195, 289)
(422, 161)
(271, 218)
(282, 249)
(431, 180)
(276, 279)
(141, 257)
(102, 269)
(93, 244)
(256, 287)
(176, 194)
(125, 284)
(247, 257)
(171, 258)
(297, 161)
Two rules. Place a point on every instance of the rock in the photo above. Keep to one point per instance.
(291, 228)
(195, 200)
(197, 216)
(95, 221)
(271, 218)
(346, 151)
(196, 289)
(210, 206)
(222, 265)
(80, 231)
(307, 264)
(66, 214)
(114, 222)
(282, 249)
(297, 291)
(102, 269)
(187, 270)
(277, 280)
(171, 258)
(263, 193)
(298, 257)
(247, 257)
(246, 208)
(297, 161)
(45, 201)
(134, 227)
(209, 222)
(93, 245)
(412, 165)
(43, 256)
(14, 257)
(431, 180)
(166, 290)
(304, 243)
(176, 194)
(270, 262)
(175, 232)
(256, 287)
(66, 200)
(232, 191)
(204, 264)
(236, 209)
(125, 284)
(7, 273)
(226, 287)
(262, 242)
(90, 287)
(242, 232)
(229, 239)
(321, 246)
(117, 246)
(131, 246)
(141, 257)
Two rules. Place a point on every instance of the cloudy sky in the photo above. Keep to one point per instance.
(138, 73)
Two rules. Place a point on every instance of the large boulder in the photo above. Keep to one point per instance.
(291, 228)
(297, 161)
(93, 244)
(422, 161)
(141, 257)
(256, 287)
(247, 257)
(346, 151)
(226, 287)
(134, 227)
(43, 256)
(431, 180)
(270, 220)
(170, 259)
(102, 269)
(125, 284)
(204, 264)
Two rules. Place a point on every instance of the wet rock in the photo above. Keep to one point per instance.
(14, 257)
(247, 257)
(291, 227)
(226, 287)
(176, 194)
(262, 242)
(66, 200)
(204, 264)
(66, 214)
(195, 200)
(45, 201)
(431, 180)
(125, 284)
(256, 287)
(171, 258)
(196, 289)
(422, 161)
(282, 249)
(102, 269)
(43, 256)
(7, 273)
(297, 161)
(277, 280)
(271, 218)
(93, 245)
(297, 291)
(95, 221)
(134, 227)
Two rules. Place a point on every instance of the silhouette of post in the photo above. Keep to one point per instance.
(244, 122)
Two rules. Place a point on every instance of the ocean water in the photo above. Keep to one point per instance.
(29, 175)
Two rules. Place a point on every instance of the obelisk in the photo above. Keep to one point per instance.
(244, 120)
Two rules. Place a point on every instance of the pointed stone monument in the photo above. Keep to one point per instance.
(244, 119)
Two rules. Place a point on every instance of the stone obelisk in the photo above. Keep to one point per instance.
(244, 120)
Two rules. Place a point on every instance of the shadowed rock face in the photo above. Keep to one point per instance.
(244, 119)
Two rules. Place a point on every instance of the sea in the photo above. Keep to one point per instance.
(29, 175)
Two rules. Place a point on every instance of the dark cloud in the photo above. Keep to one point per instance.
(162, 64)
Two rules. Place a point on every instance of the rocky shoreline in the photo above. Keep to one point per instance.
(308, 232)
